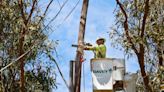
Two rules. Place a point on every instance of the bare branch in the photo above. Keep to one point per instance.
(60, 72)
(31, 12)
(145, 17)
(45, 11)
(47, 7)
(17, 59)
(126, 27)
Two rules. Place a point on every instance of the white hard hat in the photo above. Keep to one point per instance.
(100, 38)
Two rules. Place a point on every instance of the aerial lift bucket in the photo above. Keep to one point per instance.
(105, 72)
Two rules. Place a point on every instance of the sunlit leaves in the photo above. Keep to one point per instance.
(153, 38)
(12, 25)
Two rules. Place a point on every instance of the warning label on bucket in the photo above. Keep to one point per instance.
(102, 75)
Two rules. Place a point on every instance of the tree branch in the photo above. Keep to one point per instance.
(145, 17)
(45, 11)
(22, 10)
(60, 72)
(126, 27)
(17, 59)
(31, 12)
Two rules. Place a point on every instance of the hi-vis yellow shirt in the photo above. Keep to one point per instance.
(99, 51)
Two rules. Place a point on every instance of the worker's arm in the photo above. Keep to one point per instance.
(90, 48)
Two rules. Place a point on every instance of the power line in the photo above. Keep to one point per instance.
(71, 10)
(62, 6)
(59, 3)
(57, 26)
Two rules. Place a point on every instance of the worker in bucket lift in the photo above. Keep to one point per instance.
(99, 50)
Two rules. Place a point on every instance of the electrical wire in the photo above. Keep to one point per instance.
(57, 26)
(59, 3)
(62, 6)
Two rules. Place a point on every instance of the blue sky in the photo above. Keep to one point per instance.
(99, 20)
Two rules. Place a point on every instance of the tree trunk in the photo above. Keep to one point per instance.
(142, 67)
(21, 61)
(159, 53)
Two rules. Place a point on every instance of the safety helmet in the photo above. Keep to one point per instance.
(100, 38)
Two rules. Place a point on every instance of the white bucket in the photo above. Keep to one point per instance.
(103, 73)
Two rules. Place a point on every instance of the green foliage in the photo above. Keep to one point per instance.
(153, 36)
(39, 77)
(11, 26)
(154, 27)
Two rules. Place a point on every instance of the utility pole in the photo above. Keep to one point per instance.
(79, 53)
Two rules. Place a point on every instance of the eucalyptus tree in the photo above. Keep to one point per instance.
(155, 36)
(139, 30)
(155, 28)
(21, 30)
